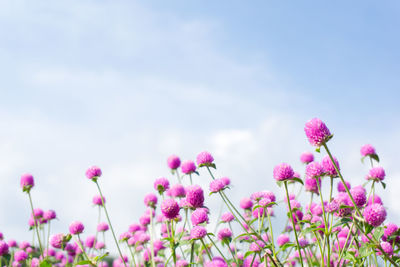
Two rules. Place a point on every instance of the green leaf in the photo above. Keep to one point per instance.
(248, 253)
(368, 228)
(383, 185)
(375, 157)
(84, 262)
(318, 150)
(279, 183)
(378, 233)
(45, 263)
(297, 180)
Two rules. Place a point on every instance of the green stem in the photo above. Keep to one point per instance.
(206, 248)
(36, 224)
(132, 254)
(325, 221)
(109, 222)
(151, 238)
(219, 251)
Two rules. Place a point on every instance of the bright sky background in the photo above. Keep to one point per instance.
(124, 84)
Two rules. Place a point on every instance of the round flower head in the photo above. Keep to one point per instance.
(328, 166)
(100, 245)
(317, 132)
(24, 245)
(367, 150)
(390, 229)
(359, 196)
(38, 213)
(246, 203)
(340, 186)
(49, 215)
(182, 263)
(161, 185)
(150, 200)
(56, 241)
(188, 167)
(76, 228)
(198, 232)
(375, 199)
(282, 240)
(377, 174)
(90, 241)
(27, 182)
(216, 262)
(224, 234)
(311, 185)
(195, 196)
(12, 243)
(102, 227)
(306, 157)
(217, 185)
(199, 216)
(97, 200)
(177, 190)
(204, 159)
(3, 248)
(227, 217)
(226, 180)
(387, 248)
(314, 170)
(374, 214)
(170, 208)
(93, 172)
(283, 172)
(35, 262)
(20, 255)
(173, 162)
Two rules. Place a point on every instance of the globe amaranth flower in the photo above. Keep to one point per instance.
(35, 262)
(188, 167)
(173, 162)
(177, 190)
(199, 216)
(198, 232)
(246, 203)
(227, 217)
(38, 213)
(341, 188)
(161, 185)
(367, 150)
(103, 227)
(170, 208)
(195, 196)
(306, 157)
(216, 262)
(374, 199)
(311, 185)
(387, 248)
(376, 174)
(224, 234)
(182, 263)
(97, 200)
(283, 172)
(100, 245)
(317, 132)
(374, 214)
(20, 256)
(27, 182)
(76, 228)
(49, 215)
(314, 170)
(328, 166)
(150, 200)
(93, 172)
(90, 241)
(282, 239)
(3, 248)
(205, 159)
(359, 196)
(57, 240)
(390, 229)
(216, 185)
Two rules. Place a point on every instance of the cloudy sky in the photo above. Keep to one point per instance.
(124, 84)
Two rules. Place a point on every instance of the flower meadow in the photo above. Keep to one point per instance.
(346, 227)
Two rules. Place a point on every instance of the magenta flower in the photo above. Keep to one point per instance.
(20, 256)
(150, 200)
(182, 263)
(374, 214)
(328, 166)
(216, 185)
(188, 167)
(161, 185)
(173, 162)
(97, 200)
(377, 174)
(102, 227)
(56, 241)
(314, 170)
(76, 228)
(199, 216)
(246, 203)
(90, 241)
(283, 172)
(27, 182)
(306, 157)
(49, 215)
(387, 248)
(177, 190)
(367, 150)
(359, 196)
(390, 229)
(100, 245)
(12, 243)
(340, 186)
(3, 248)
(311, 185)
(375, 199)
(93, 172)
(205, 159)
(198, 232)
(170, 208)
(317, 132)
(282, 239)
(227, 217)
(195, 196)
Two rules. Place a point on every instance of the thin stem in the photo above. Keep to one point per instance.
(294, 226)
(219, 251)
(208, 253)
(36, 224)
(151, 238)
(109, 222)
(325, 220)
(132, 255)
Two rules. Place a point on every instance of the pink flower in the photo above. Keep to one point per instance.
(217, 185)
(102, 227)
(49, 215)
(282, 240)
(177, 190)
(20, 255)
(27, 182)
(328, 166)
(195, 196)
(377, 174)
(311, 185)
(3, 248)
(56, 241)
(90, 240)
(76, 228)
(199, 216)
(188, 167)
(317, 132)
(359, 196)
(170, 208)
(246, 203)
(204, 159)
(161, 184)
(314, 170)
(97, 200)
(198, 232)
(341, 188)
(387, 248)
(173, 162)
(374, 214)
(283, 172)
(93, 172)
(390, 229)
(367, 150)
(227, 217)
(306, 157)
(150, 200)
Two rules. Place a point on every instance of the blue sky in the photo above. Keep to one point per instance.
(124, 84)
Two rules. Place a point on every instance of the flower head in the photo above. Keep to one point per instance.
(173, 162)
(27, 182)
(217, 185)
(317, 132)
(177, 190)
(49, 215)
(20, 255)
(3, 248)
(56, 241)
(188, 167)
(282, 240)
(199, 216)
(198, 232)
(246, 203)
(170, 208)
(374, 214)
(93, 172)
(102, 227)
(150, 200)
(76, 228)
(341, 188)
(390, 229)
(306, 157)
(195, 196)
(311, 185)
(204, 159)
(97, 200)
(227, 217)
(283, 172)
(359, 196)
(314, 170)
(161, 185)
(377, 174)
(328, 166)
(367, 150)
